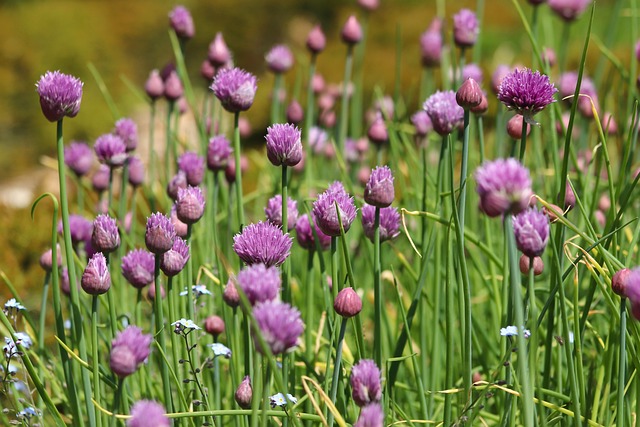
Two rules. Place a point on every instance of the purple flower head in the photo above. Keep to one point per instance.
(96, 279)
(235, 88)
(154, 86)
(283, 144)
(431, 44)
(218, 53)
(365, 382)
(318, 139)
(79, 227)
(498, 75)
(174, 260)
(295, 113)
(60, 95)
(352, 31)
(78, 157)
(472, 71)
(111, 150)
(259, 283)
(465, 28)
(100, 179)
(262, 243)
(218, 152)
(105, 236)
(193, 166)
(178, 182)
(182, 23)
(325, 214)
(279, 59)
(181, 227)
(136, 171)
(619, 282)
(46, 259)
(377, 132)
(504, 186)
(230, 294)
(632, 286)
(306, 237)
(129, 349)
(444, 112)
(369, 5)
(371, 416)
(389, 222)
(280, 325)
(316, 40)
(379, 189)
(273, 211)
(207, 71)
(567, 86)
(127, 130)
(244, 393)
(173, 89)
(422, 122)
(531, 228)
(568, 10)
(347, 303)
(147, 413)
(138, 268)
(160, 233)
(526, 92)
(190, 204)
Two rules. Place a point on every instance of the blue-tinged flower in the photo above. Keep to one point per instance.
(280, 325)
(512, 331)
(262, 243)
(185, 324)
(235, 88)
(445, 113)
(28, 413)
(279, 399)
(60, 95)
(526, 92)
(147, 413)
(13, 305)
(283, 144)
(197, 290)
(220, 350)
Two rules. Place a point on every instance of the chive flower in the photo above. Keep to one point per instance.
(389, 222)
(273, 211)
(160, 233)
(379, 190)
(175, 259)
(283, 144)
(371, 415)
(181, 22)
(279, 59)
(235, 88)
(190, 204)
(147, 413)
(325, 212)
(305, 235)
(105, 236)
(280, 325)
(262, 243)
(445, 113)
(526, 92)
(259, 283)
(78, 157)
(365, 382)
(60, 95)
(129, 350)
(504, 186)
(110, 150)
(465, 28)
(218, 53)
(96, 279)
(137, 268)
(531, 228)
(218, 153)
(193, 166)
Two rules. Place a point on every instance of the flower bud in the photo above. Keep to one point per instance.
(619, 282)
(469, 95)
(347, 303)
(352, 31)
(244, 393)
(538, 265)
(214, 325)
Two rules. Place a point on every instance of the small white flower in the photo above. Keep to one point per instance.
(12, 304)
(571, 337)
(67, 324)
(220, 350)
(186, 324)
(279, 400)
(28, 413)
(198, 291)
(10, 347)
(512, 331)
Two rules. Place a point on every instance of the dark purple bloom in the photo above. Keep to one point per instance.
(138, 268)
(174, 260)
(80, 228)
(218, 153)
(316, 40)
(568, 10)
(160, 233)
(389, 222)
(504, 186)
(365, 382)
(444, 112)
(352, 31)
(325, 212)
(154, 86)
(111, 150)
(96, 279)
(60, 95)
(279, 59)
(100, 179)
(259, 283)
(422, 122)
(632, 286)
(190, 204)
(129, 349)
(305, 236)
(182, 23)
(531, 228)
(105, 236)
(136, 171)
(371, 415)
(218, 53)
(235, 88)
(619, 282)
(273, 211)
(262, 243)
(127, 130)
(431, 44)
(379, 189)
(173, 89)
(526, 92)
(283, 144)
(465, 28)
(193, 166)
(147, 413)
(280, 325)
(78, 157)
(178, 182)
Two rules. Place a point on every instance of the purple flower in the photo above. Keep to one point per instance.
(259, 283)
(379, 189)
(347, 303)
(526, 92)
(178, 182)
(469, 94)
(235, 88)
(325, 212)
(567, 85)
(182, 23)
(138, 268)
(96, 279)
(174, 260)
(273, 211)
(371, 416)
(352, 31)
(218, 152)
(279, 59)
(100, 179)
(280, 325)
(193, 166)
(154, 86)
(190, 204)
(389, 222)
(431, 44)
(60, 95)
(422, 122)
(218, 53)
(295, 113)
(110, 150)
(46, 259)
(504, 186)
(147, 413)
(306, 237)
(127, 130)
(444, 112)
(316, 40)
(78, 157)
(105, 236)
(79, 227)
(531, 228)
(465, 28)
(318, 139)
(136, 171)
(365, 382)
(173, 89)
(568, 10)
(472, 71)
(129, 349)
(283, 145)
(160, 233)
(181, 227)
(244, 393)
(498, 75)
(377, 132)
(262, 243)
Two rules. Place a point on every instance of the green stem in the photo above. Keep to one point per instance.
(275, 99)
(336, 367)
(43, 306)
(523, 140)
(238, 183)
(377, 292)
(308, 123)
(190, 298)
(116, 402)
(152, 155)
(96, 361)
(622, 362)
(168, 150)
(344, 105)
(110, 193)
(160, 335)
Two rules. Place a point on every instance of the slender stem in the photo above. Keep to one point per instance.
(622, 362)
(275, 98)
(113, 318)
(523, 140)
(377, 292)
(308, 123)
(96, 361)
(43, 306)
(110, 193)
(190, 297)
(344, 105)
(116, 402)
(238, 183)
(286, 292)
(152, 155)
(168, 150)
(336, 367)
(160, 335)
(532, 320)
